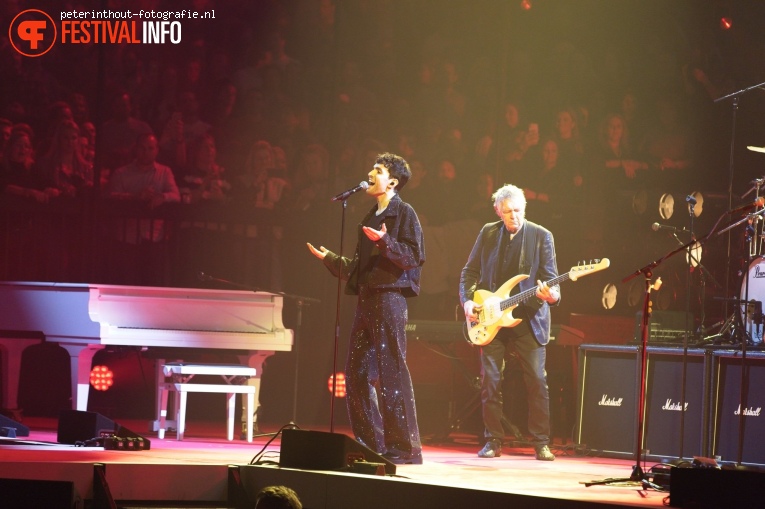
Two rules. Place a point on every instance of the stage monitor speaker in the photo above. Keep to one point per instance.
(607, 399)
(710, 488)
(19, 429)
(726, 407)
(29, 494)
(79, 426)
(662, 410)
(318, 450)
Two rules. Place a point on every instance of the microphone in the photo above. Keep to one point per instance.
(759, 202)
(690, 199)
(656, 227)
(345, 194)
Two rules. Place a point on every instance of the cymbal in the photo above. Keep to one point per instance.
(756, 149)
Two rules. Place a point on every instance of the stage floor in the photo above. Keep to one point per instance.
(195, 469)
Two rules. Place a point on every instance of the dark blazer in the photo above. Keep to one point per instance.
(481, 272)
(397, 257)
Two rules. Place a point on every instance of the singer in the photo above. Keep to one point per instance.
(384, 272)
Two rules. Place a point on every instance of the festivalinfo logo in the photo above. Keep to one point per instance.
(34, 32)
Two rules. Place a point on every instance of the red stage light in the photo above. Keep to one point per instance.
(339, 386)
(526, 5)
(726, 23)
(101, 378)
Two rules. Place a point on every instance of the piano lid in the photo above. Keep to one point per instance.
(189, 309)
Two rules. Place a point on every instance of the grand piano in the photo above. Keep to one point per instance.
(85, 318)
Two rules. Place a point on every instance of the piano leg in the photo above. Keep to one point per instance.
(254, 360)
(80, 362)
(12, 348)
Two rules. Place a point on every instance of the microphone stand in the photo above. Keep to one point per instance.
(337, 320)
(300, 302)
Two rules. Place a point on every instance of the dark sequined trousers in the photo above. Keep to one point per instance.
(380, 396)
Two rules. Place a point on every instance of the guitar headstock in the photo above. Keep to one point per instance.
(584, 268)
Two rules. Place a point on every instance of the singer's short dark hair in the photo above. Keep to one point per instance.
(397, 167)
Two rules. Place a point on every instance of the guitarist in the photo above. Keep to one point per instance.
(505, 249)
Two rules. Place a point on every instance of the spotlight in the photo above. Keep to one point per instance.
(726, 23)
(101, 378)
(526, 5)
(339, 385)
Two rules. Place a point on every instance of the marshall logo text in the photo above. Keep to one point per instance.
(749, 411)
(606, 401)
(674, 406)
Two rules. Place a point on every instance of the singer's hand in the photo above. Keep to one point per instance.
(318, 253)
(375, 235)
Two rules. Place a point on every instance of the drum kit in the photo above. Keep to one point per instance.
(752, 283)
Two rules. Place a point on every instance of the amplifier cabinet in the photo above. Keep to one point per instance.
(662, 424)
(608, 392)
(728, 400)
(607, 399)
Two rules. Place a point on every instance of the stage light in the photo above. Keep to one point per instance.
(609, 296)
(726, 23)
(693, 255)
(339, 386)
(526, 5)
(101, 378)
(698, 206)
(666, 206)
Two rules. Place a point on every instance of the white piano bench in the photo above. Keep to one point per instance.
(180, 374)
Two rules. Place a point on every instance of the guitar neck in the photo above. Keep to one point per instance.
(527, 294)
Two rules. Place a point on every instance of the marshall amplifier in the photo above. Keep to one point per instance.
(727, 406)
(607, 399)
(663, 410)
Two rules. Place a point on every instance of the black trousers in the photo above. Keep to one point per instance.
(380, 397)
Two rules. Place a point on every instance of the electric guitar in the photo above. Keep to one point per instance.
(497, 308)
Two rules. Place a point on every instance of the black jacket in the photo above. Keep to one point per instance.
(397, 257)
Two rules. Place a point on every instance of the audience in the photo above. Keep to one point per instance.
(292, 131)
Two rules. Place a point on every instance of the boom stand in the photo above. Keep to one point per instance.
(638, 476)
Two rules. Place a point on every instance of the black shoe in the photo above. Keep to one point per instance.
(492, 449)
(399, 458)
(543, 453)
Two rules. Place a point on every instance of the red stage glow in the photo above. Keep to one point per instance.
(726, 23)
(526, 5)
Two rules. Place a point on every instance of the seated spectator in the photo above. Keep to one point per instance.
(506, 142)
(569, 140)
(148, 184)
(147, 181)
(277, 497)
(19, 174)
(119, 133)
(182, 130)
(204, 177)
(65, 166)
(5, 134)
(256, 184)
